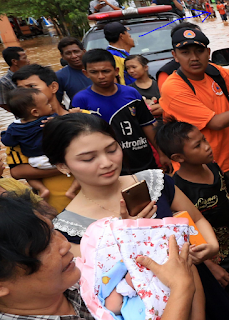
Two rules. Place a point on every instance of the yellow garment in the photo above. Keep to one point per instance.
(119, 61)
(57, 185)
(10, 184)
(85, 111)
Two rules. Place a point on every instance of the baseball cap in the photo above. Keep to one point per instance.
(184, 37)
(114, 28)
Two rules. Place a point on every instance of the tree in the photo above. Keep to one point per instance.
(71, 14)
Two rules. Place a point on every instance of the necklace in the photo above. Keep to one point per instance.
(99, 205)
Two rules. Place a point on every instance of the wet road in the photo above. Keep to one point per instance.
(43, 50)
(215, 30)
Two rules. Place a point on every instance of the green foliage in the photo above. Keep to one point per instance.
(70, 13)
(73, 12)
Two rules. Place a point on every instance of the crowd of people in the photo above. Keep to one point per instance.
(121, 126)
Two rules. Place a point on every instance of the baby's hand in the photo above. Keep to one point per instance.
(147, 212)
(44, 121)
(200, 253)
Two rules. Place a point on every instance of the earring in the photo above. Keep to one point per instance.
(68, 175)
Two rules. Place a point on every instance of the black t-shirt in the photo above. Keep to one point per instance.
(150, 92)
(212, 200)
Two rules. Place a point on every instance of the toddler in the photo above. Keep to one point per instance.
(31, 106)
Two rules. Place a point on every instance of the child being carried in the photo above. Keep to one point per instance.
(31, 107)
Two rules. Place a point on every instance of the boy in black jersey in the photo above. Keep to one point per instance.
(202, 181)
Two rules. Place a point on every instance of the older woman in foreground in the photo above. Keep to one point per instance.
(37, 268)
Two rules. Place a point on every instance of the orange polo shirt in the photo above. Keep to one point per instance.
(178, 99)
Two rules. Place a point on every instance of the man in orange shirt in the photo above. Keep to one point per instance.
(221, 8)
(208, 107)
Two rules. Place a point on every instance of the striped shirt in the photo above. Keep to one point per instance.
(72, 295)
(6, 85)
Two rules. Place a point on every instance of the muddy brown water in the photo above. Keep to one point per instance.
(43, 50)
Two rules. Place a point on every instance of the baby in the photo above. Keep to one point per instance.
(119, 294)
(31, 107)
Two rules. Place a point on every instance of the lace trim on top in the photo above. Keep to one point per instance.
(155, 182)
(71, 228)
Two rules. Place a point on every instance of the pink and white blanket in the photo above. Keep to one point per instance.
(110, 240)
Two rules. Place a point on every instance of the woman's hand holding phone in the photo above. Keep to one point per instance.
(147, 212)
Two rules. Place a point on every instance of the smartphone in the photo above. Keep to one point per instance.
(136, 197)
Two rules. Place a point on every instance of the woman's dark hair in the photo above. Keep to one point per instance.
(61, 130)
(142, 60)
(98, 55)
(171, 135)
(23, 235)
(21, 100)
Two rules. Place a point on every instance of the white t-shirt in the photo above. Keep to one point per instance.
(105, 8)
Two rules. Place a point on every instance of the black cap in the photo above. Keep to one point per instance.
(114, 28)
(184, 37)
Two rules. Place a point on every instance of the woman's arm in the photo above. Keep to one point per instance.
(203, 251)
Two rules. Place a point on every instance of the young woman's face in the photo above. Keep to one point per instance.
(93, 159)
(135, 69)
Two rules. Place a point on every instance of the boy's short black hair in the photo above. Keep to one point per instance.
(21, 101)
(11, 53)
(46, 74)
(67, 41)
(171, 135)
(98, 55)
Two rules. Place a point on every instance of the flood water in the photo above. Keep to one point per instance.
(43, 50)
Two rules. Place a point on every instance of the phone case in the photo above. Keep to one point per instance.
(136, 197)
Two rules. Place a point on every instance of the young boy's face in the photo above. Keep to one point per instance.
(102, 74)
(35, 82)
(43, 107)
(196, 149)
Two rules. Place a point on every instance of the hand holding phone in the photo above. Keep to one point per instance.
(136, 198)
(148, 212)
